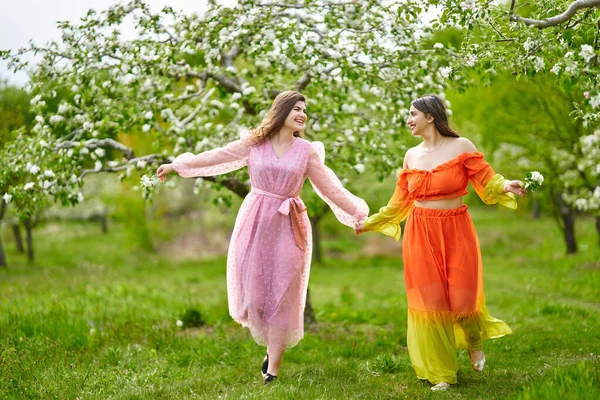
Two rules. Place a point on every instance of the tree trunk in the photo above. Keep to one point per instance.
(536, 209)
(317, 253)
(568, 224)
(18, 238)
(2, 255)
(103, 220)
(598, 228)
(317, 257)
(29, 237)
(309, 314)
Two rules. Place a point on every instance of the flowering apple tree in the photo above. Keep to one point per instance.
(194, 82)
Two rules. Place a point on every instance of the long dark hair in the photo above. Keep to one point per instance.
(272, 123)
(434, 106)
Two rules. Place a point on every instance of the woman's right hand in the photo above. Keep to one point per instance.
(163, 171)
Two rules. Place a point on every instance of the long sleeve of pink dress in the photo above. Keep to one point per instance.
(269, 256)
(213, 162)
(348, 209)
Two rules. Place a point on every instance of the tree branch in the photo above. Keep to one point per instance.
(303, 82)
(232, 184)
(556, 20)
(93, 144)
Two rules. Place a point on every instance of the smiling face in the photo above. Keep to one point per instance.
(297, 117)
(417, 121)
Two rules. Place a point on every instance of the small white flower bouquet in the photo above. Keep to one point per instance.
(150, 181)
(533, 180)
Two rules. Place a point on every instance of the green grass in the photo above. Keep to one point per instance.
(95, 318)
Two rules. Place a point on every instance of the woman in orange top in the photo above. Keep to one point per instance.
(442, 260)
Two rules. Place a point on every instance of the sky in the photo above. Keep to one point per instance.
(25, 20)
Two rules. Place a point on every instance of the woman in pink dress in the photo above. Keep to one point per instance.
(269, 255)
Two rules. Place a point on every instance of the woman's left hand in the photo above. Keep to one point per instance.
(515, 187)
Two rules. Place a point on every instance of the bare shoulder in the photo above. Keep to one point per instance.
(408, 157)
(463, 145)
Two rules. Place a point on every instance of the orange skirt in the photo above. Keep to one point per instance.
(444, 287)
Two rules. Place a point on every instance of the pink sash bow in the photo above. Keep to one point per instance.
(292, 206)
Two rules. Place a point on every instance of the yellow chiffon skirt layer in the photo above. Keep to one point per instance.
(434, 336)
(444, 288)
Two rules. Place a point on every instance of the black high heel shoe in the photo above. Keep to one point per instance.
(269, 378)
(265, 366)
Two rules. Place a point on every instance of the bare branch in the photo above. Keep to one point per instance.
(556, 20)
(192, 115)
(150, 158)
(281, 5)
(303, 82)
(329, 4)
(575, 23)
(97, 143)
(237, 187)
(227, 59)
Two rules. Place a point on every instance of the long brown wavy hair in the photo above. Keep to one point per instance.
(434, 106)
(272, 123)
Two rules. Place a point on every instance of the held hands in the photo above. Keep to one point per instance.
(515, 187)
(359, 228)
(163, 171)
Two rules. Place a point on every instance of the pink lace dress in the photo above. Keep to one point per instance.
(269, 255)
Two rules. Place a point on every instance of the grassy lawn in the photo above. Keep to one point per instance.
(96, 319)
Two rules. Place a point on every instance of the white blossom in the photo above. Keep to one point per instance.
(556, 69)
(538, 63)
(150, 181)
(445, 72)
(581, 204)
(49, 173)
(29, 186)
(438, 46)
(100, 152)
(360, 168)
(35, 100)
(537, 177)
(63, 108)
(595, 101)
(149, 115)
(7, 198)
(467, 5)
(56, 119)
(529, 44)
(179, 323)
(34, 169)
(587, 52)
(471, 60)
(141, 164)
(248, 90)
(97, 166)
(146, 128)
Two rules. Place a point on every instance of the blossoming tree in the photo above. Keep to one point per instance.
(553, 37)
(194, 82)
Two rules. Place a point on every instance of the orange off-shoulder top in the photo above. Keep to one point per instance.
(445, 181)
